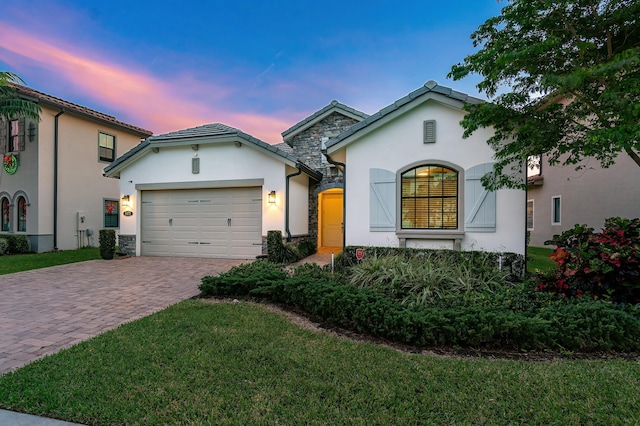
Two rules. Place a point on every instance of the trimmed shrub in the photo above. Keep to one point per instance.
(603, 264)
(511, 318)
(4, 246)
(306, 247)
(279, 252)
(17, 244)
(107, 241)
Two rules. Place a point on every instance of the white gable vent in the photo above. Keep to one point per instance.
(430, 131)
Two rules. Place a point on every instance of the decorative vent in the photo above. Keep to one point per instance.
(195, 165)
(430, 131)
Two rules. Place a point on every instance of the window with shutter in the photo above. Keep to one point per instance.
(480, 204)
(382, 200)
(429, 198)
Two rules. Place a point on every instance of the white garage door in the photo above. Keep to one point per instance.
(222, 223)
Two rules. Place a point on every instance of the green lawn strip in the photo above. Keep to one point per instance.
(203, 363)
(24, 262)
(538, 259)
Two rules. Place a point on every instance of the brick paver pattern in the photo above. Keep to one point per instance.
(45, 310)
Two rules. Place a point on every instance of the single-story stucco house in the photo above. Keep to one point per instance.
(401, 177)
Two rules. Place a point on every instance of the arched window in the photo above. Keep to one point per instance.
(22, 214)
(6, 214)
(429, 198)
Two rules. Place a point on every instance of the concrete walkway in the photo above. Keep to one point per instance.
(45, 310)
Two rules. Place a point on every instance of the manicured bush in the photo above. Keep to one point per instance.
(603, 264)
(17, 244)
(510, 318)
(280, 252)
(107, 241)
(4, 246)
(306, 247)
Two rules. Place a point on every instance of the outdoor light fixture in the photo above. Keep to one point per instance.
(272, 197)
(125, 200)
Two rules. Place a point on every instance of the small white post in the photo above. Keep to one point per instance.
(332, 259)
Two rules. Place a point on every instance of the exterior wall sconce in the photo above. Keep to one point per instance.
(126, 206)
(272, 197)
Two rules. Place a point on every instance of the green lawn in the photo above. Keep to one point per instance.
(236, 363)
(538, 259)
(25, 262)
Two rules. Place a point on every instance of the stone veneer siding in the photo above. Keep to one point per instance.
(307, 146)
(127, 244)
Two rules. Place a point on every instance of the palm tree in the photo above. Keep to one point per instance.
(11, 105)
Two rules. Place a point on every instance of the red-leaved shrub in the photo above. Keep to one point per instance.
(603, 264)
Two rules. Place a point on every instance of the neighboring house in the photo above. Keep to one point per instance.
(559, 197)
(401, 177)
(52, 188)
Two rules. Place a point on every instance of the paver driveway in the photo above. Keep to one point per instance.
(45, 310)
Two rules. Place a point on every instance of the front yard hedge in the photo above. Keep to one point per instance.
(499, 322)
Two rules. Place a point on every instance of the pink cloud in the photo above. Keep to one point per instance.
(147, 101)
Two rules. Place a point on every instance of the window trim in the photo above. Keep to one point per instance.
(533, 217)
(113, 150)
(553, 210)
(116, 215)
(434, 234)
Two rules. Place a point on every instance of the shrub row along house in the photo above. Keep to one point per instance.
(403, 177)
(52, 188)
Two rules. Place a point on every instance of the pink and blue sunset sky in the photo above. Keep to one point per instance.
(260, 66)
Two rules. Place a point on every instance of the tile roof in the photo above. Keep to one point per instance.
(212, 131)
(316, 116)
(78, 109)
(429, 87)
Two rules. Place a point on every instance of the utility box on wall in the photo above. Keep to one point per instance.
(82, 221)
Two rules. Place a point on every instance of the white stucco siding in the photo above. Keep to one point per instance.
(398, 144)
(299, 203)
(218, 163)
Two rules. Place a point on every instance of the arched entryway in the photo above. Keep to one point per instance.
(330, 218)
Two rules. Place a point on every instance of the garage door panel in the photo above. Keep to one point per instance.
(224, 222)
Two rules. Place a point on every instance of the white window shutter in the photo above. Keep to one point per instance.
(479, 204)
(382, 200)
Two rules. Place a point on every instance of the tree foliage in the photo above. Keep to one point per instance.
(11, 104)
(563, 77)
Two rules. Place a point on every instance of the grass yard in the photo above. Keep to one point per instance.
(538, 259)
(24, 262)
(203, 363)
